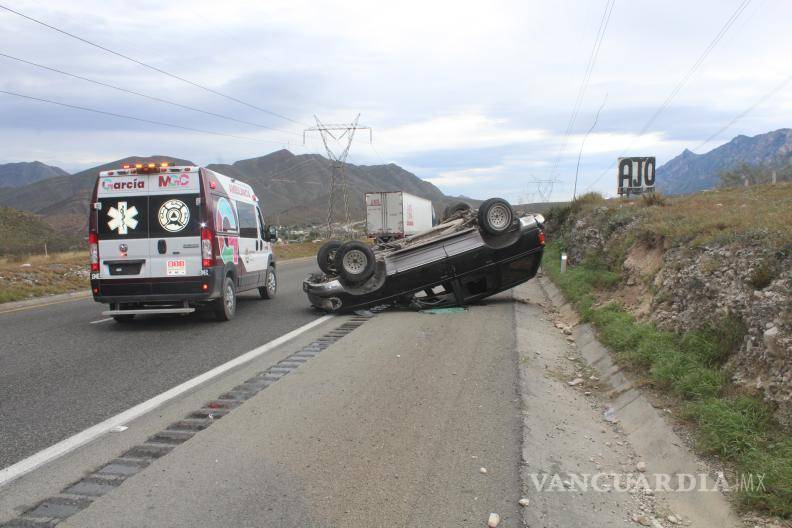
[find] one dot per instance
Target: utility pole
(337, 133)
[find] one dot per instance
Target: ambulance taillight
(93, 249)
(207, 255)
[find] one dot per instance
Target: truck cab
(172, 239)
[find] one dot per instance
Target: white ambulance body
(171, 239)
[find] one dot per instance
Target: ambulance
(172, 239)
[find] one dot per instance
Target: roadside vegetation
(23, 233)
(731, 422)
(24, 276)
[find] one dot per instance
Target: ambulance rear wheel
(225, 306)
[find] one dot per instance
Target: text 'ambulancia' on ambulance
(168, 240)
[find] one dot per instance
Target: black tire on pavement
(225, 306)
(270, 288)
(454, 208)
(355, 261)
(326, 256)
(495, 216)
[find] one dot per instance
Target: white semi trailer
(392, 215)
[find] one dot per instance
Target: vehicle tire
(126, 318)
(270, 288)
(454, 208)
(225, 306)
(495, 216)
(355, 261)
(326, 256)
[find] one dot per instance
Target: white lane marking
(101, 321)
(73, 442)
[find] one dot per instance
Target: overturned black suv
(473, 254)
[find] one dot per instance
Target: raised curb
(651, 436)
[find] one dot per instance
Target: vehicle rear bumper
(193, 290)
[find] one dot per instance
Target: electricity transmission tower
(544, 188)
(335, 136)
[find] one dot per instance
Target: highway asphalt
(61, 370)
(388, 427)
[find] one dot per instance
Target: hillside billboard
(636, 175)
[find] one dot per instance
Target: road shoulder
(593, 422)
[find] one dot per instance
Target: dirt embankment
(719, 259)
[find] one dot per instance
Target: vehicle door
(175, 225)
(122, 227)
(250, 246)
(264, 254)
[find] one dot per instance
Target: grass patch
(738, 428)
(24, 277)
(294, 251)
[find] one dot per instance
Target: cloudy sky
(473, 96)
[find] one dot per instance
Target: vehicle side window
(248, 223)
(225, 215)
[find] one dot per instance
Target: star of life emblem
(122, 218)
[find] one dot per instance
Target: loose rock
(494, 520)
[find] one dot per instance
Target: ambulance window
(174, 215)
(225, 215)
(123, 217)
(248, 224)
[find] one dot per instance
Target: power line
(139, 94)
(582, 143)
(133, 118)
(600, 36)
(682, 82)
(149, 66)
(696, 65)
(745, 112)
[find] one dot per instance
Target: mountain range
(293, 189)
(26, 172)
(691, 172)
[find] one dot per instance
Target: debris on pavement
(483, 471)
(494, 520)
(641, 466)
(119, 429)
(574, 382)
(524, 502)
(610, 415)
(449, 310)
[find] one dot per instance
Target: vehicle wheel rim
(272, 283)
(229, 299)
(354, 262)
(499, 216)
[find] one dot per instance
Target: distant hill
(292, 189)
(691, 172)
(295, 188)
(22, 232)
(24, 173)
(63, 201)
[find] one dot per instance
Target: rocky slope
(722, 260)
(691, 172)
